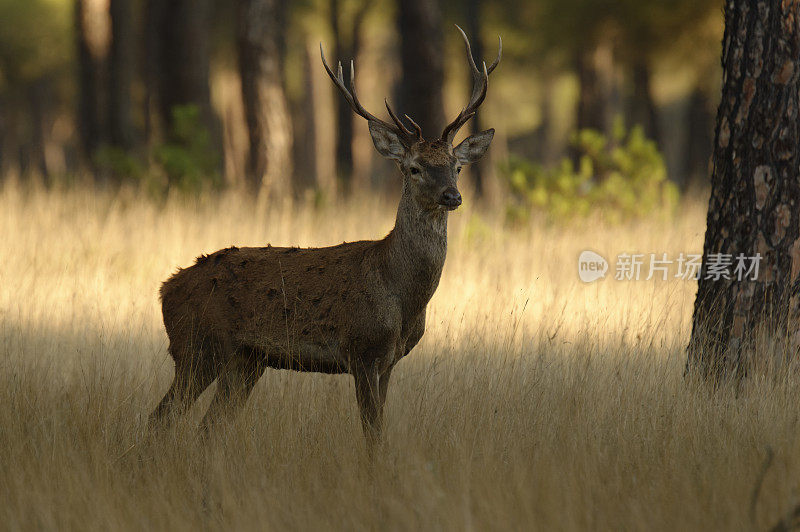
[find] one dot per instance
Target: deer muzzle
(450, 198)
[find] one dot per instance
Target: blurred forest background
(594, 100)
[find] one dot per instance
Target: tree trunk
(644, 111)
(699, 139)
(344, 116)
(269, 161)
(120, 74)
(421, 56)
(154, 14)
(37, 100)
(3, 139)
(347, 46)
(473, 9)
(184, 61)
(304, 115)
(755, 193)
(91, 27)
(595, 69)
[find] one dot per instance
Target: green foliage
(620, 177)
(188, 158)
(186, 162)
(119, 163)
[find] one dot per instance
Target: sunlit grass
(533, 399)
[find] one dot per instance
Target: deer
(356, 308)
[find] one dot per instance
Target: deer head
(430, 168)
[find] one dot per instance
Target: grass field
(533, 401)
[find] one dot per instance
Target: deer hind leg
(235, 383)
(193, 374)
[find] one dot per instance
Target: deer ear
(473, 147)
(386, 142)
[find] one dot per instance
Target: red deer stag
(355, 308)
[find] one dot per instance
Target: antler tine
(357, 104)
(416, 126)
(480, 83)
(397, 121)
(352, 98)
(337, 80)
(480, 79)
(470, 57)
(499, 55)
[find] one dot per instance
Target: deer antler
(406, 135)
(480, 82)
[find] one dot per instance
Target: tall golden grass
(533, 401)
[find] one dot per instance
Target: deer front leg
(383, 388)
(368, 396)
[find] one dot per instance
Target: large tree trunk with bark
(269, 161)
(120, 73)
(755, 195)
(421, 56)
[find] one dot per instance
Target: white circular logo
(591, 266)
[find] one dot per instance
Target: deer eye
(458, 169)
(415, 170)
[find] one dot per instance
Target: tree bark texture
(269, 160)
(755, 192)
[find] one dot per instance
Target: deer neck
(416, 250)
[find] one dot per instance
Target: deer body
(354, 308)
(309, 309)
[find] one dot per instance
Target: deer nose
(450, 198)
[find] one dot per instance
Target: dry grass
(532, 399)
